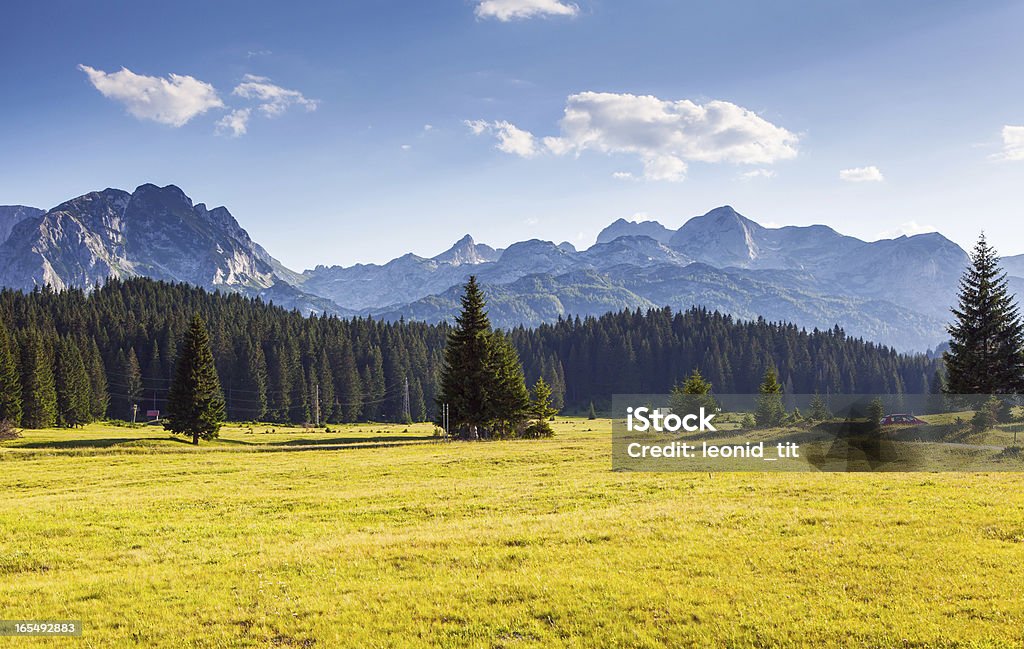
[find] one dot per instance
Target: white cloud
(666, 135)
(236, 122)
(273, 99)
(759, 173)
(428, 127)
(910, 228)
(406, 147)
(478, 126)
(506, 10)
(511, 139)
(623, 175)
(862, 175)
(533, 220)
(1013, 143)
(172, 101)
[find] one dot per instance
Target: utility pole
(316, 404)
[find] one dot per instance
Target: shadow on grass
(338, 441)
(106, 442)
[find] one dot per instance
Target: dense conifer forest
(69, 357)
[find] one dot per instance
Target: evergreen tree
(818, 409)
(465, 375)
(769, 411)
(131, 384)
(541, 410)
(876, 410)
(936, 394)
(72, 385)
(349, 390)
(10, 381)
(39, 395)
(99, 398)
(507, 398)
(986, 350)
(692, 395)
(592, 414)
(195, 404)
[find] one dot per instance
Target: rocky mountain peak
(466, 251)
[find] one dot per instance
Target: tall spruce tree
(465, 375)
(195, 403)
(72, 382)
(131, 385)
(506, 394)
(986, 348)
(99, 397)
(10, 382)
(541, 410)
(38, 393)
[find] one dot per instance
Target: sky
(347, 132)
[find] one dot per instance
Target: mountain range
(893, 291)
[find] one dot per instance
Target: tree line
(73, 356)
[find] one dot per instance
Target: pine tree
(692, 395)
(818, 409)
(99, 397)
(876, 410)
(38, 396)
(131, 384)
(769, 411)
(349, 391)
(506, 394)
(195, 404)
(464, 377)
(10, 382)
(541, 410)
(986, 350)
(72, 383)
(936, 394)
(592, 414)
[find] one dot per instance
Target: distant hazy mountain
(11, 215)
(624, 228)
(894, 291)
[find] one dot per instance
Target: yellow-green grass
(514, 543)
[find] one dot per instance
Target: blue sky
(344, 132)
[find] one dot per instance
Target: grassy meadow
(381, 535)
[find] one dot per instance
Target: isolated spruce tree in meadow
(986, 348)
(465, 375)
(818, 409)
(692, 395)
(195, 404)
(769, 411)
(541, 410)
(592, 414)
(10, 382)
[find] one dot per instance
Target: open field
(375, 535)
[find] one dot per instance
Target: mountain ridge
(894, 291)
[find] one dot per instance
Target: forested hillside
(71, 355)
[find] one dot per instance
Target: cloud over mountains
(664, 135)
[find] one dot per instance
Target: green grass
(379, 536)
